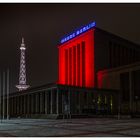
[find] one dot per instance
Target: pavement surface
(88, 127)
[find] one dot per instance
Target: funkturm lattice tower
(22, 72)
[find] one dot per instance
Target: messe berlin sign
(78, 32)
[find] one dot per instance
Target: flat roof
(65, 87)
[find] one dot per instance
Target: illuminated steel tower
(22, 74)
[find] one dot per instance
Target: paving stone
(92, 127)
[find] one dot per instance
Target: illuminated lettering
(78, 32)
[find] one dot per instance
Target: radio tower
(22, 73)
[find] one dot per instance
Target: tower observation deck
(22, 72)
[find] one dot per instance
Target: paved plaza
(88, 127)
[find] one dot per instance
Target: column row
(75, 65)
(46, 102)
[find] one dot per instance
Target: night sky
(43, 25)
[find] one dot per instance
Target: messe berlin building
(98, 75)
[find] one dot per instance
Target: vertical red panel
(78, 65)
(61, 66)
(89, 60)
(76, 77)
(87, 67)
(83, 63)
(81, 60)
(74, 65)
(68, 68)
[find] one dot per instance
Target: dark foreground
(93, 127)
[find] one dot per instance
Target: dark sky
(43, 25)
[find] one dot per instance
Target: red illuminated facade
(82, 57)
(76, 61)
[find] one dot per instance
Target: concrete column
(69, 97)
(17, 104)
(41, 103)
(69, 101)
(35, 104)
(51, 101)
(38, 103)
(72, 102)
(21, 105)
(36, 100)
(26, 104)
(45, 102)
(62, 103)
(29, 104)
(79, 102)
(24, 97)
(57, 102)
(32, 103)
(130, 91)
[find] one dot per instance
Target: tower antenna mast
(22, 72)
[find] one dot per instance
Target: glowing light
(78, 32)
